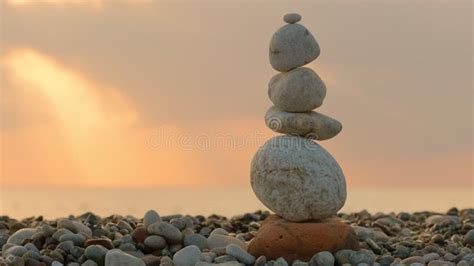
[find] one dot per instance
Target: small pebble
(292, 18)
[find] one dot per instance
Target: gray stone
(19, 236)
(280, 262)
(219, 251)
(166, 230)
(299, 263)
(66, 245)
(77, 239)
(221, 241)
(151, 217)
(299, 90)
(292, 18)
(166, 261)
(178, 223)
(7, 246)
(197, 240)
(60, 232)
(82, 228)
(31, 255)
(469, 238)
(224, 258)
(116, 257)
(15, 250)
(48, 230)
(355, 257)
(310, 125)
(297, 179)
(430, 256)
(56, 263)
(89, 263)
(440, 263)
(77, 251)
(443, 219)
(219, 231)
(208, 256)
(96, 253)
(240, 254)
(151, 260)
(364, 233)
(155, 242)
(67, 224)
(12, 260)
(31, 247)
(292, 46)
(413, 259)
(187, 256)
(324, 258)
(124, 226)
(127, 247)
(203, 263)
(261, 261)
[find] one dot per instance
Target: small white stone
(292, 46)
(311, 125)
(292, 18)
(299, 90)
(298, 179)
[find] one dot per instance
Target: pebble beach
(419, 238)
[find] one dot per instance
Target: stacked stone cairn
(291, 174)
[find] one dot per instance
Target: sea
(229, 201)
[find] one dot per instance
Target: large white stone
(292, 46)
(297, 179)
(311, 125)
(299, 90)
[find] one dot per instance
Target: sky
(162, 94)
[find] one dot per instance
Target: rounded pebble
(298, 90)
(292, 18)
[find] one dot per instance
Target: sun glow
(94, 139)
(93, 134)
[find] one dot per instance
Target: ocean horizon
(57, 202)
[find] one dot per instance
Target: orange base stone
(280, 238)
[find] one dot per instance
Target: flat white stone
(292, 46)
(299, 90)
(311, 125)
(298, 179)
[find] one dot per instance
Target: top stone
(292, 18)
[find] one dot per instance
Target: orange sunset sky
(155, 93)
